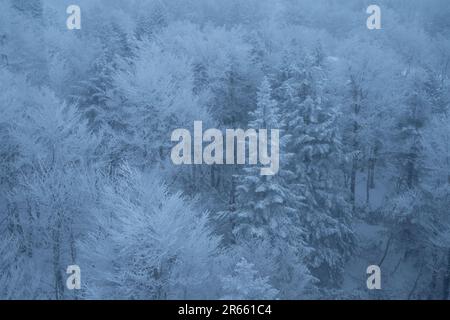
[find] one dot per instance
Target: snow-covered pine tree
(246, 284)
(436, 185)
(314, 150)
(266, 211)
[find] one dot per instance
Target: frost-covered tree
(153, 244)
(265, 199)
(21, 39)
(156, 93)
(266, 209)
(364, 149)
(49, 190)
(314, 153)
(245, 284)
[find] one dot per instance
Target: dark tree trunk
(233, 194)
(59, 286)
(213, 176)
(372, 173)
(434, 276)
(368, 185)
(353, 185)
(446, 286)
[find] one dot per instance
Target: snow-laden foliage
(156, 245)
(86, 118)
(245, 284)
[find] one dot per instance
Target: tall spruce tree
(314, 150)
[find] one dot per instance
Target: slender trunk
(73, 256)
(386, 250)
(59, 288)
(194, 176)
(213, 176)
(353, 185)
(372, 173)
(419, 274)
(368, 185)
(233, 194)
(17, 223)
(218, 180)
(446, 286)
(411, 173)
(356, 108)
(434, 276)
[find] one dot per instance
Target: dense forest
(86, 176)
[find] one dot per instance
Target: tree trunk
(232, 204)
(59, 287)
(218, 180)
(194, 177)
(213, 176)
(357, 95)
(386, 250)
(419, 274)
(372, 173)
(446, 286)
(353, 185)
(73, 256)
(410, 173)
(434, 276)
(368, 185)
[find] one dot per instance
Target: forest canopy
(86, 177)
